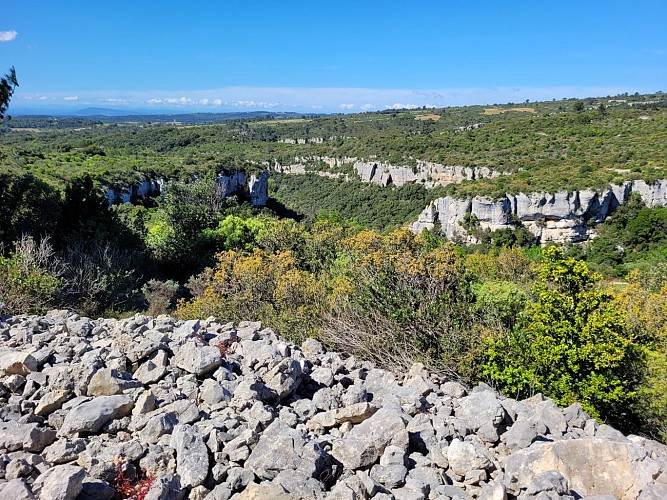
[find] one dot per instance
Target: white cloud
(253, 104)
(71, 98)
(398, 105)
(301, 99)
(8, 36)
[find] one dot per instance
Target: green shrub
(28, 278)
(572, 344)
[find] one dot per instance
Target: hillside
(546, 146)
(191, 232)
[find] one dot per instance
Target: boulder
(464, 456)
(366, 442)
(13, 362)
(62, 482)
(51, 401)
(91, 416)
(592, 466)
(191, 455)
(283, 448)
(108, 382)
(198, 360)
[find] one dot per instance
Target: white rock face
(427, 173)
(560, 217)
(256, 186)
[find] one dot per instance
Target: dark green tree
(7, 85)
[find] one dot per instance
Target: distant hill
(119, 116)
(102, 112)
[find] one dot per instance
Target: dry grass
(498, 111)
(424, 118)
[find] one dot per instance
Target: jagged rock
(51, 401)
(550, 482)
(16, 489)
(145, 403)
(548, 414)
(108, 382)
(198, 360)
(153, 369)
(165, 487)
(91, 416)
(14, 362)
(479, 409)
(284, 378)
(28, 437)
(19, 467)
(238, 478)
(355, 414)
(63, 451)
(311, 348)
(464, 456)
(561, 217)
(391, 475)
(265, 491)
(211, 392)
(94, 489)
(520, 435)
(593, 466)
(191, 455)
(283, 448)
(62, 482)
(273, 414)
(157, 426)
(366, 442)
(100, 457)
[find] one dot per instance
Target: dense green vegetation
(519, 317)
(545, 146)
(369, 204)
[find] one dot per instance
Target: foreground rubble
(207, 410)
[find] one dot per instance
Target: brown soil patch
(424, 118)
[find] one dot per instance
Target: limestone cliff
(561, 217)
(255, 186)
(427, 173)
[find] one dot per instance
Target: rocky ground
(208, 410)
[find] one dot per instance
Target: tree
(7, 85)
(572, 344)
(28, 206)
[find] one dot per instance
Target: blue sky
(326, 56)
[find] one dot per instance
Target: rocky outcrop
(561, 217)
(264, 419)
(426, 173)
(255, 186)
(144, 188)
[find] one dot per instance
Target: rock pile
(217, 411)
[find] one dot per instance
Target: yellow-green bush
(259, 286)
